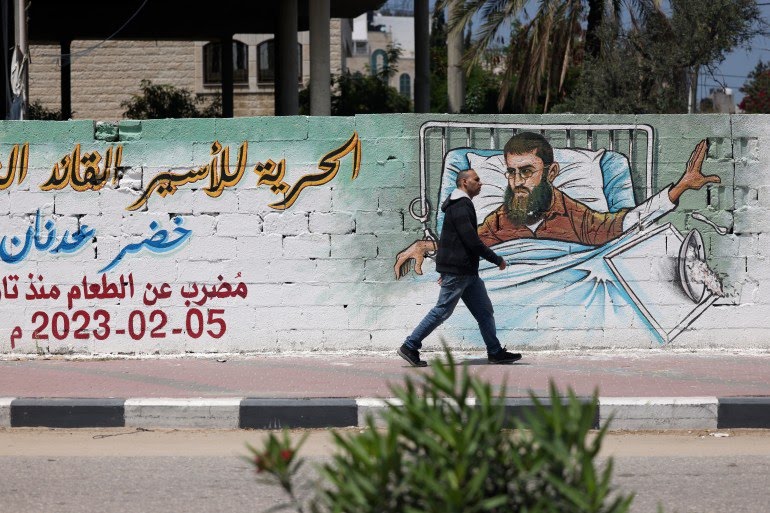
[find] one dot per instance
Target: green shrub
(446, 448)
(36, 110)
(359, 93)
(277, 463)
(161, 101)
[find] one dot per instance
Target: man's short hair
(461, 176)
(527, 142)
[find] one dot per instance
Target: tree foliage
(757, 91)
(578, 50)
(439, 63)
(357, 93)
(644, 67)
(37, 110)
(697, 33)
(364, 93)
(621, 81)
(541, 50)
(160, 101)
(482, 85)
(482, 92)
(439, 452)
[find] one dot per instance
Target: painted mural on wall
(579, 225)
(265, 234)
(71, 284)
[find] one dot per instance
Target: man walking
(458, 262)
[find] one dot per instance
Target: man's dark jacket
(460, 247)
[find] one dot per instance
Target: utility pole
(455, 73)
(320, 75)
(421, 56)
(6, 43)
(20, 63)
(286, 62)
(692, 97)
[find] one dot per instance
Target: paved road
(163, 471)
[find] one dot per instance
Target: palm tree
(545, 45)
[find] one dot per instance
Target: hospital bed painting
(651, 276)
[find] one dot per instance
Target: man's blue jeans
(469, 288)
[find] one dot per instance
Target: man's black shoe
(503, 357)
(412, 356)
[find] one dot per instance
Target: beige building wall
(380, 41)
(105, 76)
(340, 30)
(376, 40)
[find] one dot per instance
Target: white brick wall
(332, 222)
(307, 245)
(286, 223)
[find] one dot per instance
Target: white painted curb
(214, 413)
(642, 413)
(618, 413)
(5, 411)
(375, 407)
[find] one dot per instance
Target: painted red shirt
(566, 220)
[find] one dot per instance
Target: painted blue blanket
(551, 287)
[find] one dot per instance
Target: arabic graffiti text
(15, 252)
(88, 170)
(81, 324)
(84, 323)
(157, 243)
(18, 163)
(270, 174)
(42, 237)
(95, 175)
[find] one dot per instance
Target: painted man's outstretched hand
(413, 254)
(693, 177)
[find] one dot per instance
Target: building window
(405, 85)
(361, 48)
(379, 61)
(266, 61)
(212, 63)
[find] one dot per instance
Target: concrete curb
(623, 413)
(645, 413)
(744, 412)
(191, 413)
(298, 413)
(67, 412)
(5, 411)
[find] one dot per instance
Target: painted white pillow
(491, 171)
(580, 178)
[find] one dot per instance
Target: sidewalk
(641, 389)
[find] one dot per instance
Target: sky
(736, 66)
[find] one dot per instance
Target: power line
(731, 76)
(713, 80)
(714, 84)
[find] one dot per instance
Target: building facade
(105, 75)
(372, 33)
